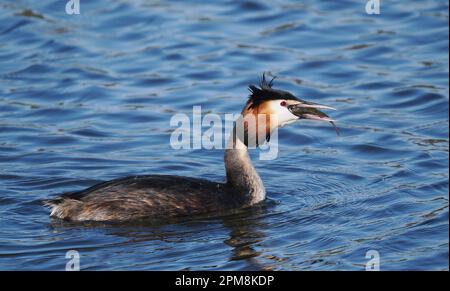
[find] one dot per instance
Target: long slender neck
(241, 174)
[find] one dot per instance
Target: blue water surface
(89, 97)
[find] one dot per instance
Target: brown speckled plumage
(145, 197)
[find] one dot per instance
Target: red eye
(283, 103)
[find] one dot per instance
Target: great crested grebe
(163, 196)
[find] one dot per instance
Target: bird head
(277, 108)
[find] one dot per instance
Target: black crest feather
(264, 84)
(265, 92)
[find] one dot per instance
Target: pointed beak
(309, 110)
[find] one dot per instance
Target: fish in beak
(309, 110)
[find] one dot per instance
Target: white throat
(241, 174)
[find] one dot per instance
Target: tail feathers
(62, 208)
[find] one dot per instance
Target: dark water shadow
(245, 228)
